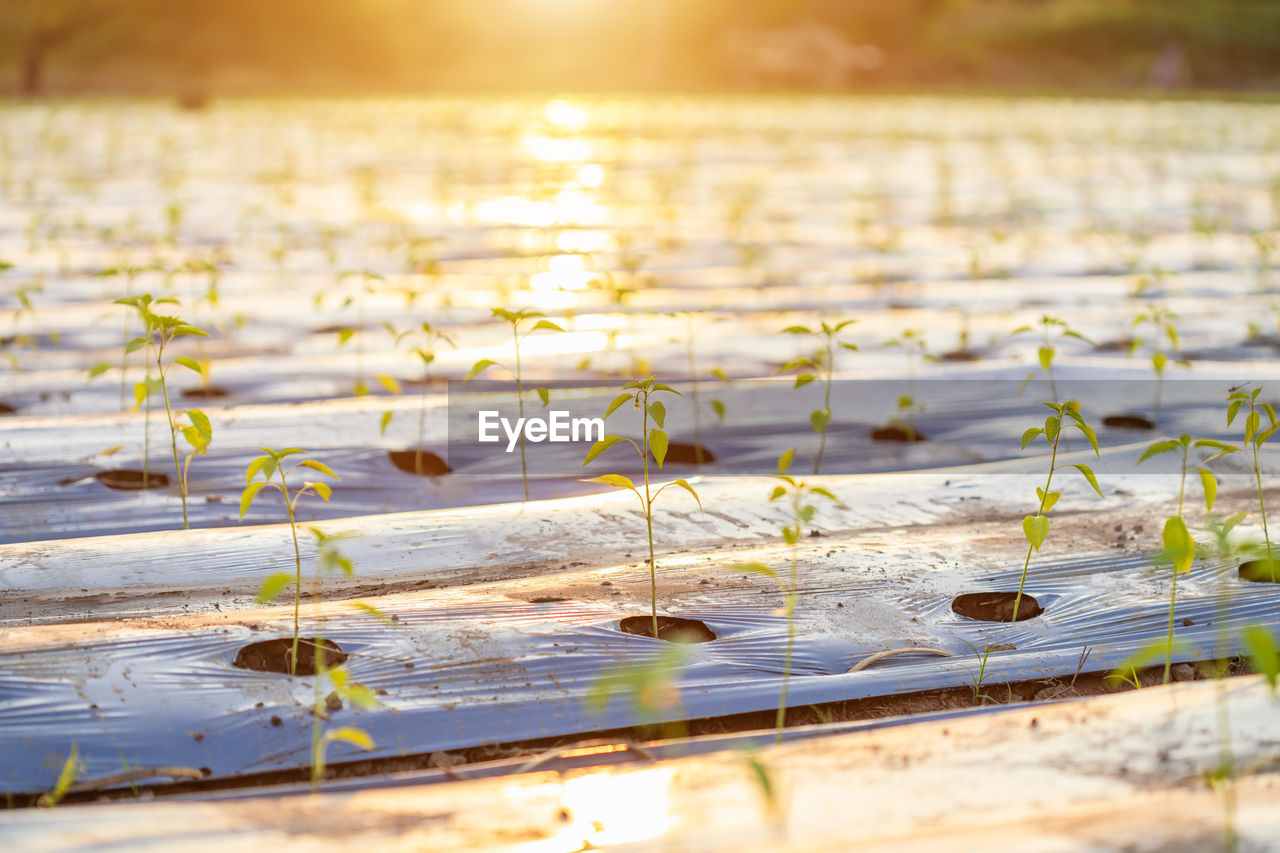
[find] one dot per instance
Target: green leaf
(318, 466)
(351, 735)
(361, 696)
(658, 412)
(1045, 354)
(616, 480)
(544, 395)
(384, 422)
(390, 383)
(201, 422)
(345, 335)
(778, 491)
(322, 489)
(246, 497)
(717, 406)
(658, 445)
(140, 392)
(265, 464)
(1089, 434)
(601, 446)
(790, 534)
(797, 330)
(371, 610)
(658, 386)
(273, 585)
(684, 484)
(1157, 448)
(1209, 483)
(819, 419)
(479, 366)
(618, 401)
(546, 324)
(803, 379)
(1260, 645)
(1052, 426)
(755, 569)
(1030, 436)
(193, 437)
(785, 460)
(1179, 547)
(135, 345)
(1088, 475)
(826, 493)
(1036, 529)
(188, 362)
(99, 369)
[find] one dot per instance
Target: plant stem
(1262, 506)
(422, 424)
(1173, 592)
(826, 407)
(781, 719)
(317, 707)
(297, 559)
(1026, 564)
(693, 393)
(173, 439)
(648, 513)
(524, 470)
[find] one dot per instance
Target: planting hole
(896, 432)
(213, 392)
(995, 606)
(1266, 570)
(274, 655)
(682, 453)
(6, 409)
(961, 355)
(1127, 422)
(672, 628)
(426, 464)
(129, 480)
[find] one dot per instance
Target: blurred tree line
(426, 45)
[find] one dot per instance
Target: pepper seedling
(653, 444)
(514, 319)
(1036, 527)
(266, 466)
(822, 362)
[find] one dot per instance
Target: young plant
(267, 466)
(1163, 327)
(159, 331)
(514, 319)
(1052, 330)
(717, 405)
(653, 444)
(426, 337)
(979, 678)
(649, 687)
(71, 770)
(1254, 437)
(1035, 528)
(799, 495)
(130, 273)
(823, 362)
(914, 345)
(368, 280)
(1179, 547)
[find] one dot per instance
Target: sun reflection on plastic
(605, 808)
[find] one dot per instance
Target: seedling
(649, 687)
(717, 405)
(514, 319)
(367, 285)
(799, 495)
(979, 678)
(159, 331)
(822, 362)
(130, 274)
(267, 466)
(71, 770)
(1052, 330)
(1260, 645)
(653, 443)
(1254, 437)
(1036, 527)
(1179, 547)
(914, 345)
(427, 337)
(1163, 327)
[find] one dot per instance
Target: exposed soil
(961, 355)
(995, 606)
(213, 392)
(897, 432)
(426, 464)
(1261, 571)
(129, 480)
(684, 453)
(6, 409)
(276, 655)
(672, 628)
(1127, 422)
